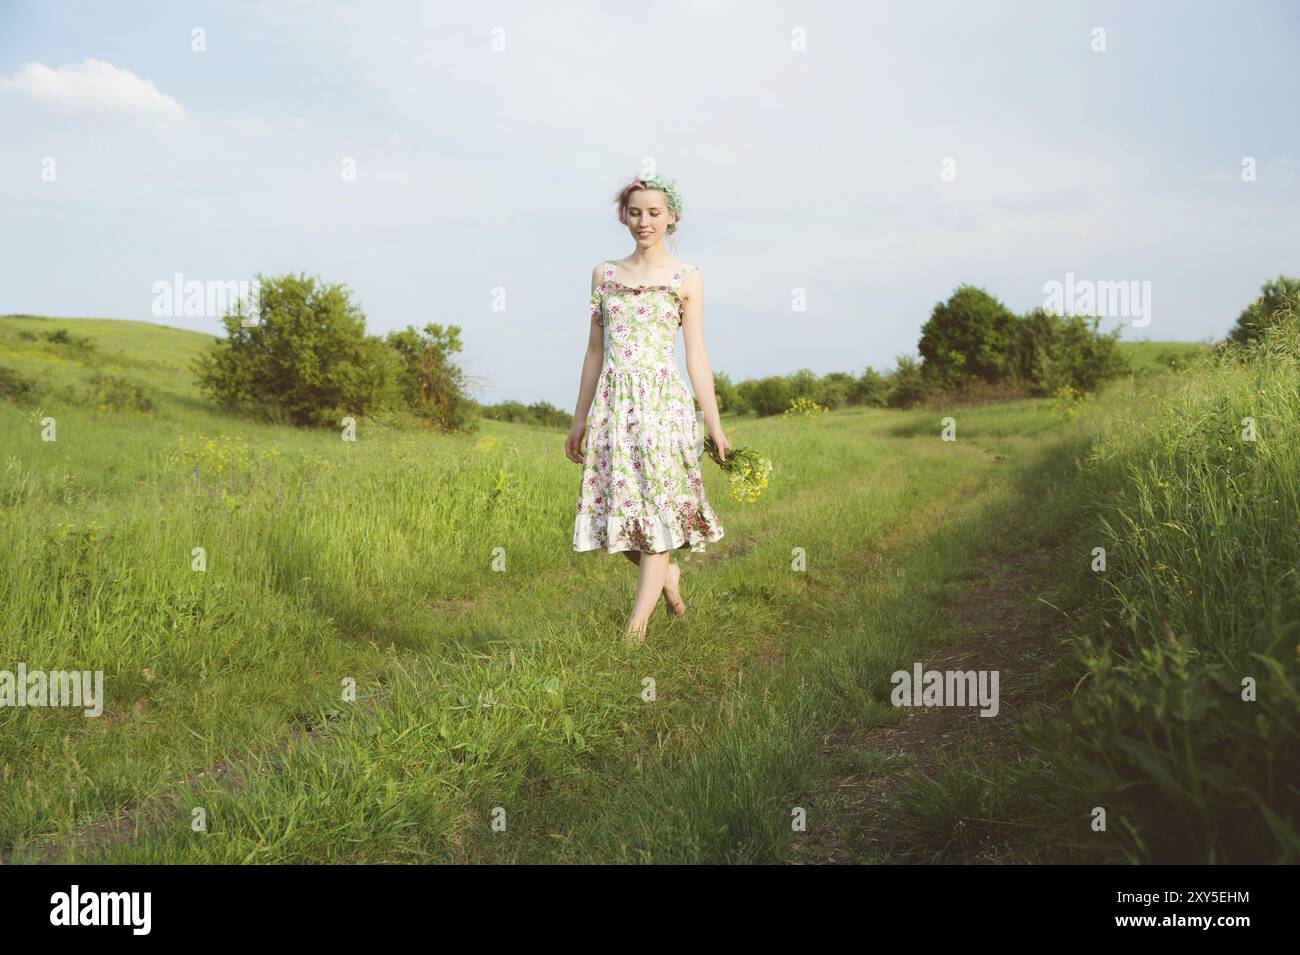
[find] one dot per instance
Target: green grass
(1145, 356)
(437, 573)
(155, 356)
(1201, 595)
(1184, 729)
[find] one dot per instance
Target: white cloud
(94, 86)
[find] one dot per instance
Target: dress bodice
(640, 321)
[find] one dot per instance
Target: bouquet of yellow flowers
(747, 469)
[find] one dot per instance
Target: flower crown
(667, 186)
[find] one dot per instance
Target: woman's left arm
(697, 356)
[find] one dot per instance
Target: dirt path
(1017, 635)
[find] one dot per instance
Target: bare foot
(672, 595)
(635, 634)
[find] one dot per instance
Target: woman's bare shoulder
(693, 282)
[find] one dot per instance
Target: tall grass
(1197, 611)
(1176, 710)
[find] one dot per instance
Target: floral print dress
(641, 483)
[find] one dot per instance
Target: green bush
(540, 413)
(767, 396)
(1174, 361)
(802, 384)
(79, 346)
(17, 387)
(110, 393)
(871, 389)
(1054, 352)
(61, 336)
(972, 335)
(729, 400)
(1275, 300)
(973, 338)
(907, 384)
(834, 389)
(435, 389)
(305, 360)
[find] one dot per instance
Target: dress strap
(680, 277)
(610, 269)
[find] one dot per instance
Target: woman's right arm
(590, 375)
(592, 360)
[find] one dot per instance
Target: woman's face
(648, 216)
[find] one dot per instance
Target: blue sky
(817, 169)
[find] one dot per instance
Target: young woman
(642, 493)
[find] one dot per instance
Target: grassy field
(497, 714)
(1147, 355)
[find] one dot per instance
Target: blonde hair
(667, 186)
